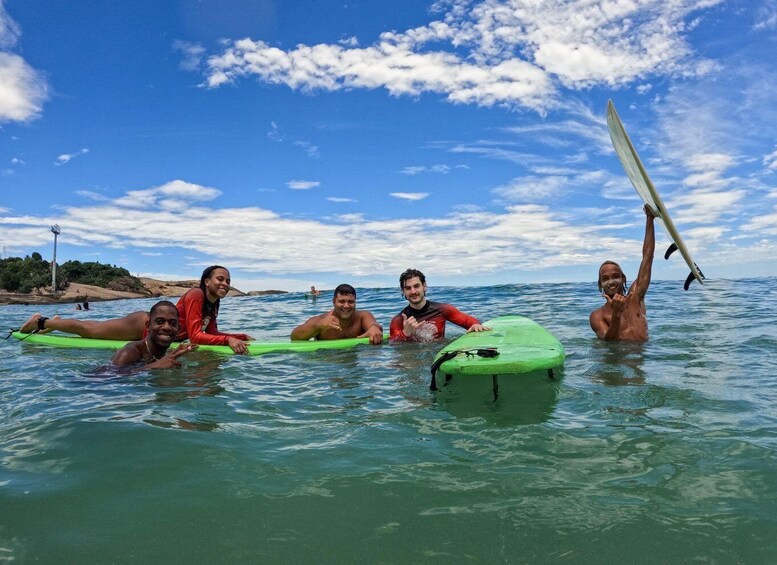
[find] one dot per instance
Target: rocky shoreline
(78, 293)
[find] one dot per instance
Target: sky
(314, 142)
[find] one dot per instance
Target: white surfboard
(644, 187)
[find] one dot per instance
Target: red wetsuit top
(437, 313)
(193, 326)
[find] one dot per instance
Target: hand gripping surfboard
(644, 187)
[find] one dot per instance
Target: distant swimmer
(624, 316)
(152, 350)
(313, 291)
(422, 319)
(343, 321)
(197, 309)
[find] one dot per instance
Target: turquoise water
(636, 453)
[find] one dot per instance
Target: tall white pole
(55, 230)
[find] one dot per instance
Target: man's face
(163, 326)
(611, 279)
(344, 305)
(414, 291)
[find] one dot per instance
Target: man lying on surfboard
(151, 351)
(342, 321)
(623, 317)
(422, 319)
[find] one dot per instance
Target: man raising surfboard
(624, 316)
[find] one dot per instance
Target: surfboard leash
(448, 355)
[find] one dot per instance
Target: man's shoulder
(130, 353)
(362, 314)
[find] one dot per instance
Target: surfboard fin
(691, 277)
(672, 248)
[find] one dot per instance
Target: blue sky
(319, 142)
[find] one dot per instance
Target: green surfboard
(54, 339)
(514, 345)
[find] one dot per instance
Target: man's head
(413, 285)
(409, 274)
(611, 281)
(163, 323)
(344, 301)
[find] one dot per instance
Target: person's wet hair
(345, 289)
(409, 274)
(623, 275)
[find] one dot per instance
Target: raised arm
(648, 250)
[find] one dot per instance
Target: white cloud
(410, 195)
(339, 199)
(67, 157)
(770, 160)
(9, 29)
(766, 16)
(312, 150)
(22, 89)
(174, 195)
(91, 195)
(489, 52)
(529, 188)
(441, 169)
(192, 54)
(526, 237)
(302, 184)
(764, 224)
(274, 134)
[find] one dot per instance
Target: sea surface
(664, 452)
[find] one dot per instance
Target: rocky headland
(78, 293)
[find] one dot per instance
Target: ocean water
(664, 452)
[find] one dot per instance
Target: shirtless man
(422, 319)
(623, 316)
(162, 329)
(344, 320)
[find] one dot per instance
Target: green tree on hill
(32, 272)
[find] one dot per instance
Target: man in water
(151, 351)
(624, 316)
(422, 319)
(314, 291)
(343, 321)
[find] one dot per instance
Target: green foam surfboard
(514, 345)
(54, 339)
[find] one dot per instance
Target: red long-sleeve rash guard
(437, 313)
(191, 322)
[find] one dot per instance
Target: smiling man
(624, 315)
(151, 351)
(422, 319)
(343, 321)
